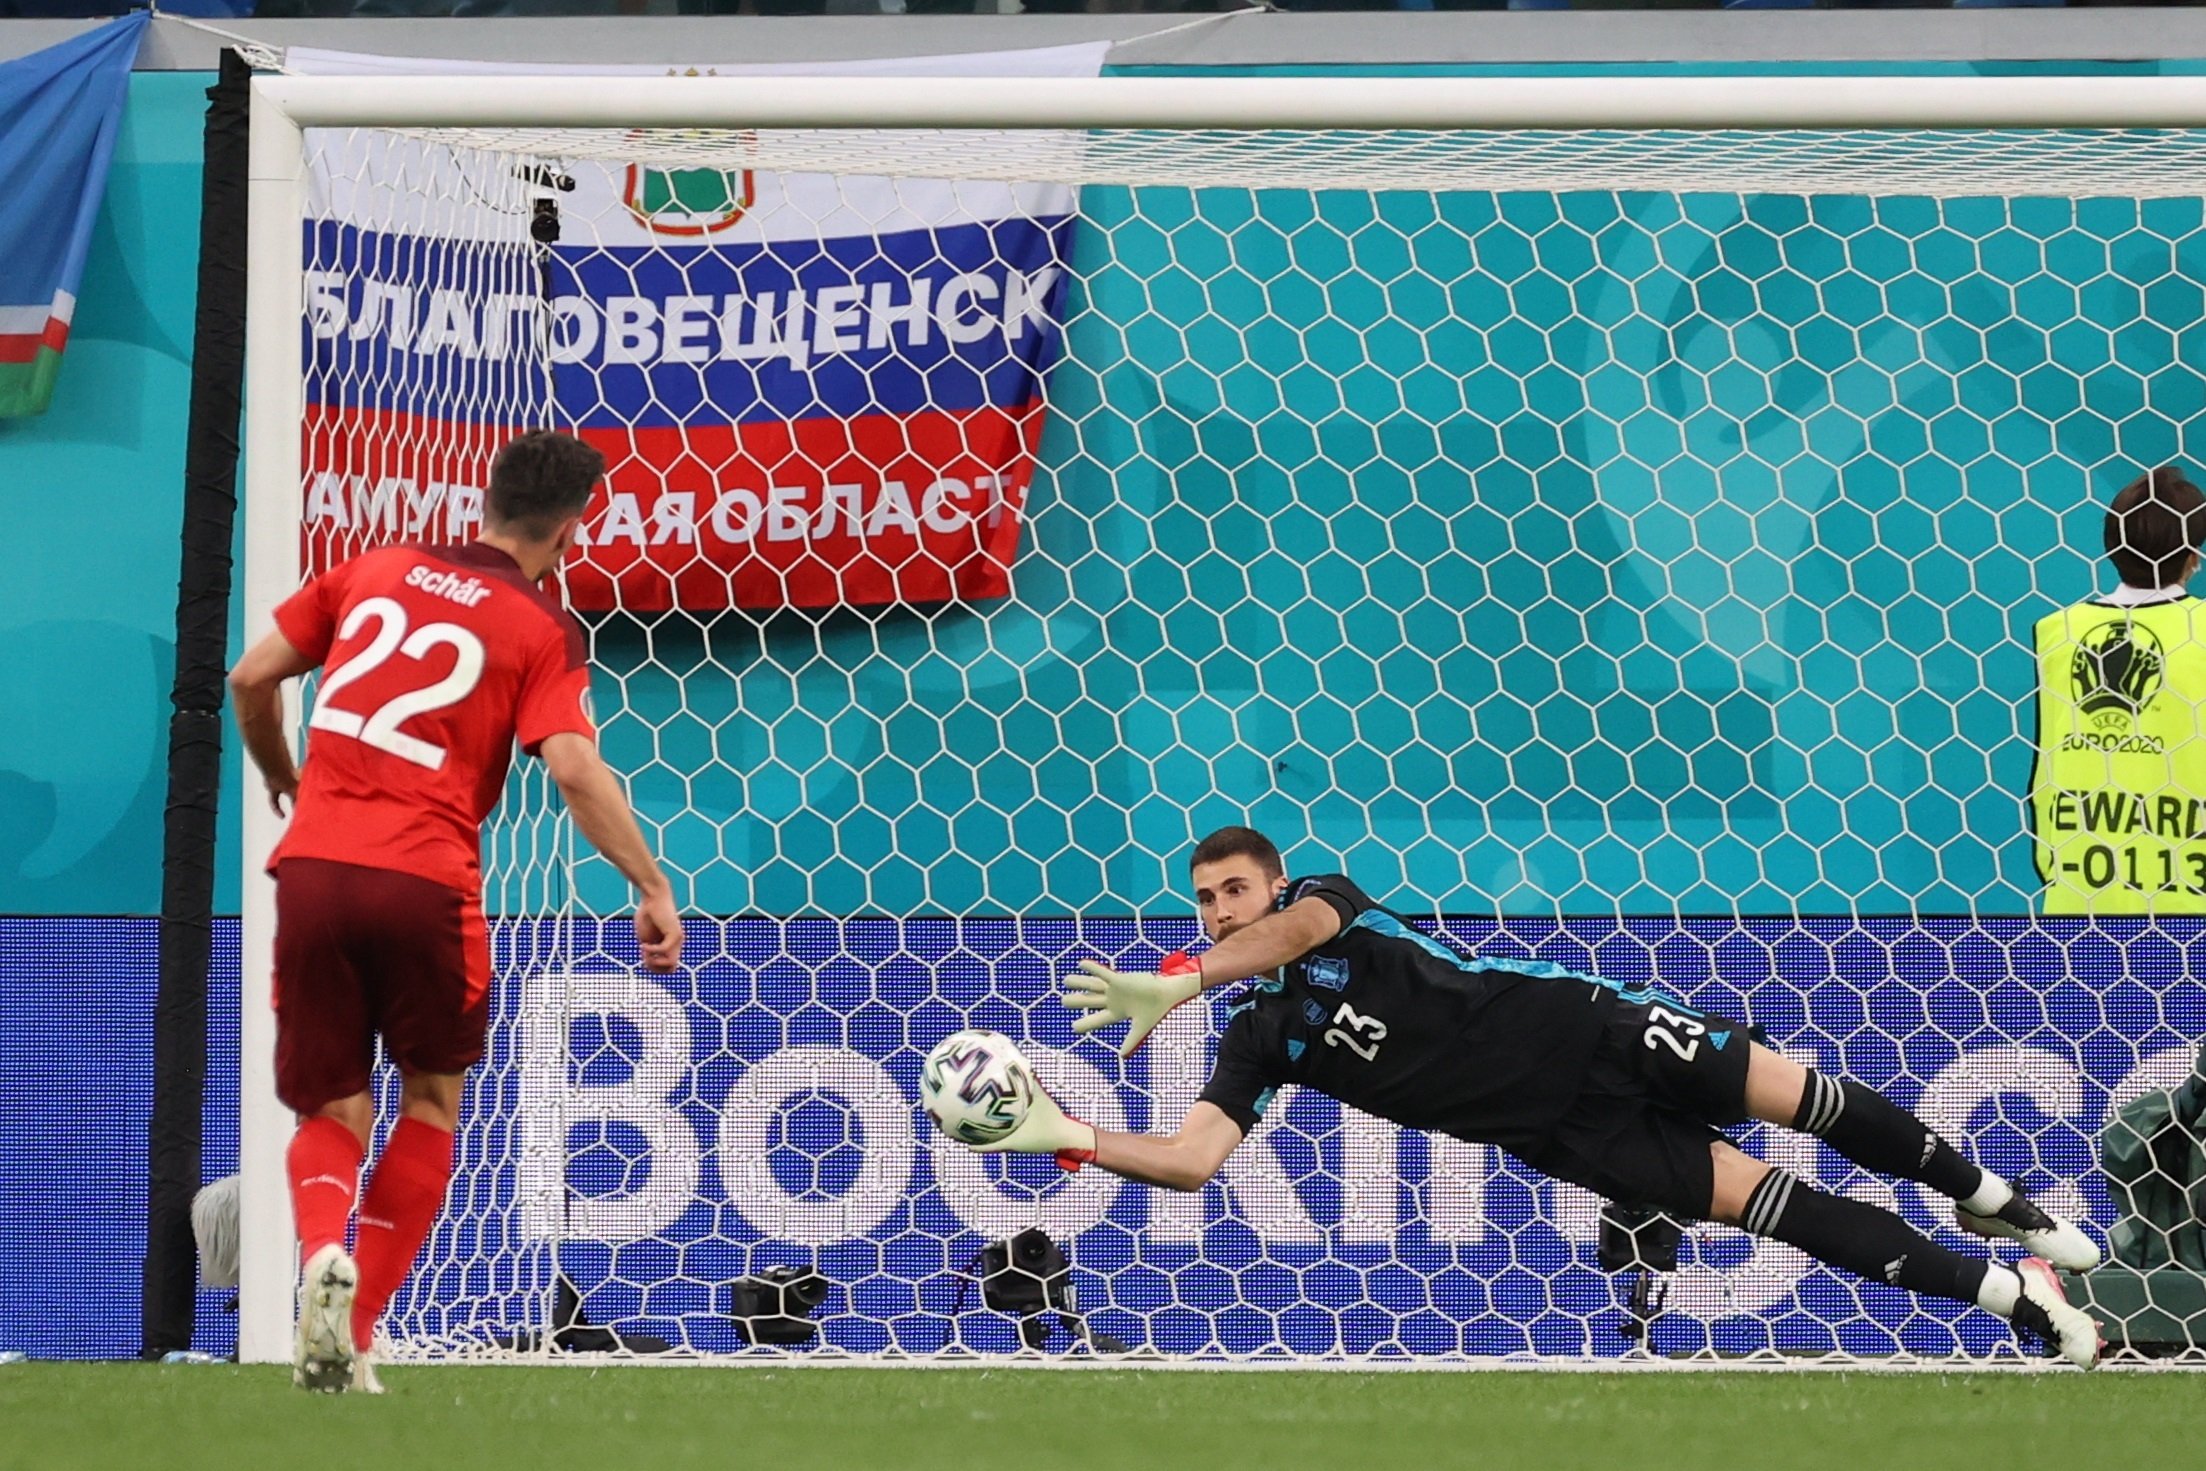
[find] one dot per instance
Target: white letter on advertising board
(574, 330)
(911, 315)
(785, 513)
(892, 508)
(688, 324)
(959, 293)
(877, 1122)
(724, 524)
(835, 319)
(553, 1110)
(631, 334)
(840, 503)
(674, 519)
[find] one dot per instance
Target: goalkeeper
(1616, 1088)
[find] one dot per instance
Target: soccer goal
(1604, 515)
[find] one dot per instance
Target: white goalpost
(1602, 514)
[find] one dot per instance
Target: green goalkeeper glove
(1047, 1129)
(1137, 996)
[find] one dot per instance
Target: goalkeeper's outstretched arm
(1182, 1161)
(1270, 942)
(1142, 998)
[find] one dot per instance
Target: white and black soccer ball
(976, 1086)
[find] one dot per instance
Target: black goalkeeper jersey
(1392, 1022)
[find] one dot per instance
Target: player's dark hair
(2153, 527)
(538, 481)
(1238, 842)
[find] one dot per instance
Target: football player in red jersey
(436, 660)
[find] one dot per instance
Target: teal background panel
(1630, 553)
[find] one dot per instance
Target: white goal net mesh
(1620, 548)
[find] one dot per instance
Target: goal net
(1617, 546)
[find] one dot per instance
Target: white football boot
(2041, 1234)
(322, 1358)
(2044, 1309)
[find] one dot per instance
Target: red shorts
(362, 952)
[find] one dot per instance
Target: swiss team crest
(687, 202)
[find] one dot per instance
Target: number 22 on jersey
(380, 727)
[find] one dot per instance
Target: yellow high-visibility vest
(2118, 798)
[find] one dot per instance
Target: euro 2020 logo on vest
(2116, 671)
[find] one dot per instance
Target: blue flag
(60, 110)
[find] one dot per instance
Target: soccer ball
(976, 1087)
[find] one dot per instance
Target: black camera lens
(774, 1306)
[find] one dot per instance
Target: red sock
(324, 1162)
(404, 1195)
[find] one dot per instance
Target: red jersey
(436, 660)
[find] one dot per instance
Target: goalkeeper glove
(1047, 1129)
(1139, 997)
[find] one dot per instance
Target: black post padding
(195, 727)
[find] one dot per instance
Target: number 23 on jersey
(1358, 1033)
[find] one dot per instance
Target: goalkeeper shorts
(367, 952)
(1662, 1079)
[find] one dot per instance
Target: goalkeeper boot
(321, 1360)
(2041, 1234)
(2044, 1310)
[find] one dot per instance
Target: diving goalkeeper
(1618, 1089)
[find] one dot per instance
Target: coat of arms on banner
(687, 202)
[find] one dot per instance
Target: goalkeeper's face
(1233, 893)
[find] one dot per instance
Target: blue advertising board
(656, 1139)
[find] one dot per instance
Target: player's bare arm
(1182, 1161)
(1269, 943)
(600, 807)
(256, 700)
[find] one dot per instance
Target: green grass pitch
(128, 1417)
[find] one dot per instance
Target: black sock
(1879, 1135)
(1860, 1238)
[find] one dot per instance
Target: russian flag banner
(60, 110)
(811, 391)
